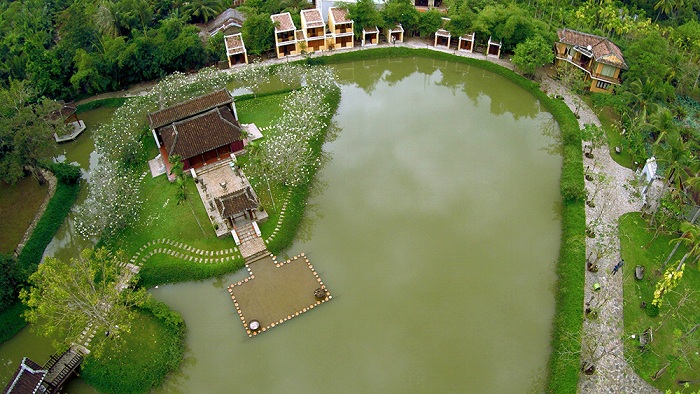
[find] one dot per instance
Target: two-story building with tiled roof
(201, 131)
(314, 30)
(341, 28)
(286, 37)
(596, 56)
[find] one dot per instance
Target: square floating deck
(276, 292)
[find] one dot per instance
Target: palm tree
(203, 10)
(642, 95)
(662, 123)
(681, 163)
(691, 238)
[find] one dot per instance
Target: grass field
(672, 345)
(18, 205)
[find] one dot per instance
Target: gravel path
(602, 338)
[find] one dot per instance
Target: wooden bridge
(49, 378)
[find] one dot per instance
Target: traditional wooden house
(286, 42)
(394, 34)
(314, 30)
(466, 43)
(370, 36)
(341, 28)
(235, 50)
(201, 131)
(599, 59)
(493, 48)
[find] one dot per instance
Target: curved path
(602, 338)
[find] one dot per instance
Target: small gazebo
(494, 48)
(370, 36)
(235, 50)
(466, 43)
(236, 205)
(442, 38)
(394, 34)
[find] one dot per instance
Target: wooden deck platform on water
(78, 128)
(276, 292)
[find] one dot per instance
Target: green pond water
(436, 230)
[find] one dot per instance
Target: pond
(437, 232)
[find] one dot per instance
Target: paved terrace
(215, 181)
(276, 292)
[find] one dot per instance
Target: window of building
(602, 85)
(608, 71)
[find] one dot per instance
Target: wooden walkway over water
(49, 378)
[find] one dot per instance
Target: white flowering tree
(253, 76)
(113, 199)
(286, 157)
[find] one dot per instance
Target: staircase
(252, 247)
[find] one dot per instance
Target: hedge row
(568, 319)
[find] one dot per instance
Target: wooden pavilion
(238, 204)
(201, 131)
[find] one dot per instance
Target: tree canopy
(95, 288)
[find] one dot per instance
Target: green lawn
(674, 319)
(610, 121)
(152, 349)
(263, 111)
(18, 205)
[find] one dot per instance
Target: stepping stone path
(182, 251)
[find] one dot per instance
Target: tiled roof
(313, 18)
(604, 51)
(396, 28)
(468, 37)
(234, 41)
(340, 15)
(202, 133)
(27, 379)
(442, 32)
(283, 22)
(371, 29)
(189, 108)
(236, 202)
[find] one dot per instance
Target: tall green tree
(203, 10)
(364, 14)
(258, 33)
(429, 22)
(533, 53)
(96, 288)
(400, 11)
(26, 131)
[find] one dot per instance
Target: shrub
(66, 173)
